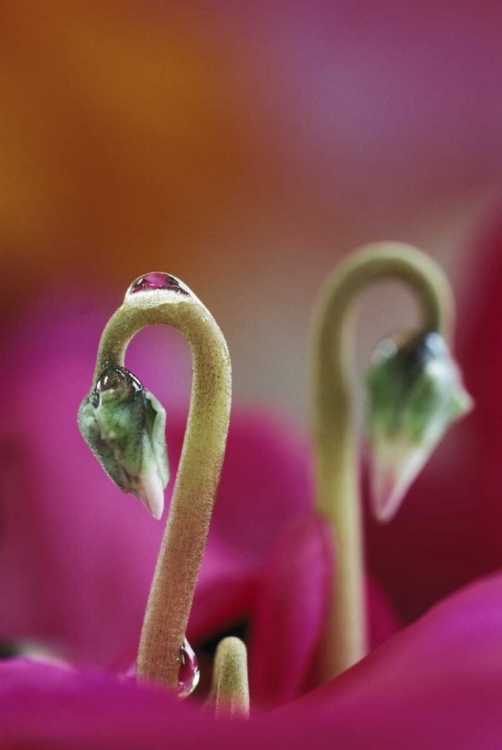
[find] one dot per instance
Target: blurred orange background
(244, 148)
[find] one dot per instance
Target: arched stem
(187, 526)
(335, 446)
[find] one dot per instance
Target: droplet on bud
(189, 673)
(155, 281)
(416, 392)
(124, 426)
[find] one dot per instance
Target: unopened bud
(416, 392)
(124, 426)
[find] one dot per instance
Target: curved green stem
(335, 446)
(187, 526)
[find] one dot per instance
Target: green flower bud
(416, 392)
(124, 426)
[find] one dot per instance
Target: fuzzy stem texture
(230, 691)
(187, 526)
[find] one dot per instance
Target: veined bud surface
(124, 426)
(415, 392)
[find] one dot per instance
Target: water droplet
(189, 674)
(413, 349)
(155, 281)
(118, 378)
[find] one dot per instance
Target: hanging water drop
(189, 673)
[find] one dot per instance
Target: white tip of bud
(395, 465)
(151, 493)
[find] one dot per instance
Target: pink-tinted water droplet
(118, 378)
(189, 674)
(155, 281)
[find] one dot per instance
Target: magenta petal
(22, 672)
(437, 684)
(383, 622)
(45, 706)
(292, 597)
(290, 610)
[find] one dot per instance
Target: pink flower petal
(291, 603)
(45, 706)
(383, 621)
(436, 684)
(290, 611)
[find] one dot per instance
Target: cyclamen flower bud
(416, 392)
(124, 426)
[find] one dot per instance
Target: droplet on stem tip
(157, 280)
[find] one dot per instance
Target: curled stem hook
(335, 447)
(187, 526)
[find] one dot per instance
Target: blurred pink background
(245, 148)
